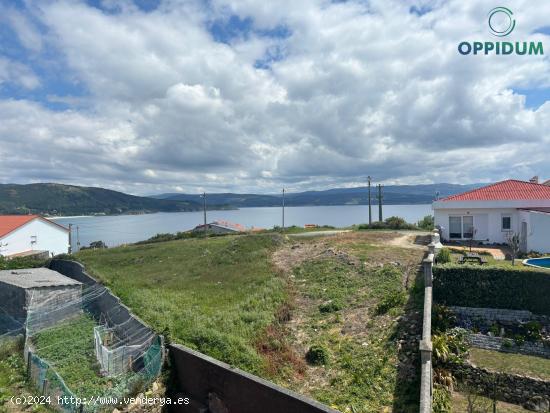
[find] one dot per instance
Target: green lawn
(217, 295)
(511, 363)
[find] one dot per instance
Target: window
(468, 227)
(506, 223)
(455, 227)
(461, 227)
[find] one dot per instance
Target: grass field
(511, 363)
(216, 295)
(245, 301)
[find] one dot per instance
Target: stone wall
(507, 345)
(485, 317)
(512, 388)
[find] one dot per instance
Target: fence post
(29, 356)
(425, 345)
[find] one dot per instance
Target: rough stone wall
(509, 388)
(488, 316)
(499, 343)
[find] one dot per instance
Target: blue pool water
(539, 262)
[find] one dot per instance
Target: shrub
(426, 223)
(391, 300)
(317, 355)
(492, 287)
(21, 262)
(331, 306)
(443, 256)
(450, 346)
(533, 331)
(442, 402)
(389, 223)
(442, 318)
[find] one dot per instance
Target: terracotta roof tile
(504, 191)
(9, 223)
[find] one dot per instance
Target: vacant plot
(357, 303)
(217, 295)
(335, 318)
(511, 363)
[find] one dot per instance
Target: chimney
(534, 180)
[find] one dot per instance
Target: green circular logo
(501, 21)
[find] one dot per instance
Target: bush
(450, 346)
(426, 223)
(391, 300)
(21, 262)
(442, 402)
(443, 256)
(331, 306)
(317, 355)
(492, 287)
(389, 223)
(442, 318)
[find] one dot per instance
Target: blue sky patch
(420, 10)
(534, 98)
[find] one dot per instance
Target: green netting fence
(50, 384)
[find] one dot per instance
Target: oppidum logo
(501, 23)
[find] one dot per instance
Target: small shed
(38, 298)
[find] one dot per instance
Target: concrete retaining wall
(216, 387)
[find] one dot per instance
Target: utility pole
(380, 202)
(283, 210)
(70, 238)
(77, 238)
(204, 211)
(370, 206)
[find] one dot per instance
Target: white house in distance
(25, 235)
(489, 214)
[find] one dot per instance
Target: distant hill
(392, 195)
(57, 199)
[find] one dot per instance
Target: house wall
(49, 237)
(538, 232)
(487, 222)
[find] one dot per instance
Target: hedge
(492, 287)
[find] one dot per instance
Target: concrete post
(425, 345)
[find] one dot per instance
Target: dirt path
(414, 240)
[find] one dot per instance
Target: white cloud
(362, 88)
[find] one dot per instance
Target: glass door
(455, 227)
(468, 227)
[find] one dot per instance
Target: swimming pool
(538, 262)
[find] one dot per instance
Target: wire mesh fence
(82, 327)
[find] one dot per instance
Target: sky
(153, 96)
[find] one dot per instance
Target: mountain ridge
(391, 194)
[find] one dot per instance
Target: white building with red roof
(491, 213)
(24, 235)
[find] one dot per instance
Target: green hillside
(56, 199)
